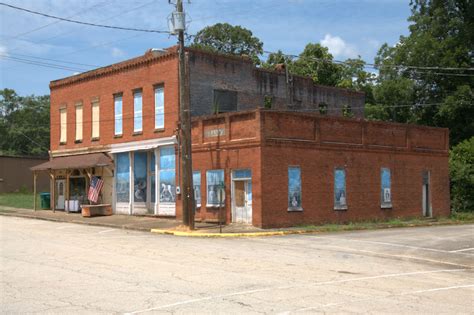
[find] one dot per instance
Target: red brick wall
(161, 71)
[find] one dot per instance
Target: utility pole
(185, 127)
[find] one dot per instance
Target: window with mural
(122, 181)
(197, 187)
(215, 187)
(386, 184)
(139, 175)
(152, 178)
(294, 188)
(340, 201)
(167, 175)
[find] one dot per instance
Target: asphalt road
(49, 267)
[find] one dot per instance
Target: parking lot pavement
(62, 268)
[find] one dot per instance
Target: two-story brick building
(273, 165)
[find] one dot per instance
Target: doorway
(242, 196)
(60, 192)
(426, 195)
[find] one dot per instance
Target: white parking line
(380, 298)
(107, 231)
(462, 250)
(399, 245)
(212, 297)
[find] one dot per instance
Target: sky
(349, 28)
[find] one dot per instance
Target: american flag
(94, 189)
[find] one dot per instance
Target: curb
(229, 235)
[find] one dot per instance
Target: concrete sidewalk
(139, 223)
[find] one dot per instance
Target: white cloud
(338, 47)
(3, 50)
(117, 52)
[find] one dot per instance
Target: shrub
(461, 165)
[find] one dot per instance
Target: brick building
(274, 166)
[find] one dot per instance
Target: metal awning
(75, 161)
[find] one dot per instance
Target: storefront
(145, 178)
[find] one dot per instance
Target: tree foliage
(461, 162)
(440, 36)
(228, 39)
(24, 124)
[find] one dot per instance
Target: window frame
(78, 126)
(95, 102)
(290, 191)
(385, 204)
(62, 109)
(216, 205)
(336, 205)
(159, 87)
(198, 205)
(116, 97)
(135, 116)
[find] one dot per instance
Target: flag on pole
(94, 189)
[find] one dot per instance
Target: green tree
(274, 59)
(228, 39)
(24, 124)
(461, 161)
(440, 37)
(316, 62)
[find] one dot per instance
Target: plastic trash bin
(45, 200)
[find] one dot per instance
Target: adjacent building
(269, 149)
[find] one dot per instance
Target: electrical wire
(85, 23)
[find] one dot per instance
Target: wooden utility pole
(185, 139)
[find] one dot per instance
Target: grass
(454, 218)
(18, 200)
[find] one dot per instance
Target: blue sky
(348, 27)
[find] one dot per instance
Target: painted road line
(220, 296)
(462, 250)
(378, 298)
(107, 231)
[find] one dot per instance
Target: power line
(42, 64)
(56, 22)
(85, 23)
(55, 60)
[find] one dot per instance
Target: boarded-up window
(63, 123)
(225, 101)
(95, 120)
(79, 122)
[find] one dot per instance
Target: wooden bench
(95, 210)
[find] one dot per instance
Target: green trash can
(45, 200)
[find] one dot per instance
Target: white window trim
(61, 133)
(77, 138)
(118, 116)
(136, 112)
(95, 120)
(208, 205)
(162, 107)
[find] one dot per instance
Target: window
(225, 101)
(139, 176)
(347, 111)
(386, 183)
(340, 202)
(167, 175)
(215, 187)
(159, 107)
(294, 188)
(63, 123)
(197, 187)
(79, 122)
(152, 177)
(122, 181)
(137, 111)
(95, 119)
(118, 115)
(323, 108)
